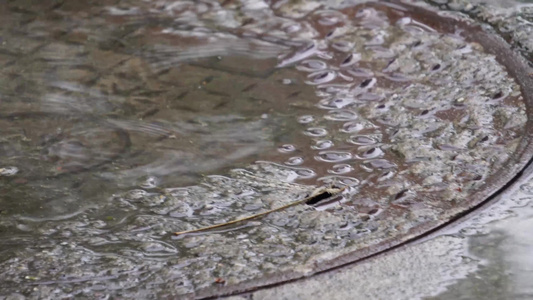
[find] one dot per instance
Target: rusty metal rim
(518, 68)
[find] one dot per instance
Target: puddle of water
(85, 112)
(116, 118)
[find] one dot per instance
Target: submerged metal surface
(486, 255)
(412, 110)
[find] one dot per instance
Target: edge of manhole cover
(518, 68)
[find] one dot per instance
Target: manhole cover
(425, 119)
(421, 115)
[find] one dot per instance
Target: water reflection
(114, 99)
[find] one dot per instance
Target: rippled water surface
(124, 121)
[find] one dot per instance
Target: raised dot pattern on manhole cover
(413, 117)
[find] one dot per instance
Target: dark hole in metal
(373, 211)
(322, 76)
(366, 82)
(348, 59)
(322, 196)
(371, 151)
(400, 195)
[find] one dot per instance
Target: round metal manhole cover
(422, 116)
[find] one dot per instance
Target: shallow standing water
(125, 121)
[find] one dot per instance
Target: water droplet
(341, 115)
(386, 175)
(397, 77)
(343, 46)
(341, 169)
(345, 77)
(366, 168)
(316, 131)
(380, 164)
(322, 145)
(333, 156)
(303, 53)
(305, 119)
(334, 103)
(360, 72)
(294, 161)
(324, 55)
(368, 83)
(363, 140)
(305, 173)
(339, 180)
(321, 77)
(369, 97)
(410, 25)
(370, 153)
(312, 65)
(352, 127)
(286, 148)
(350, 60)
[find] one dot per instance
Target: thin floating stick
(316, 196)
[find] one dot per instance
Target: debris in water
(317, 195)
